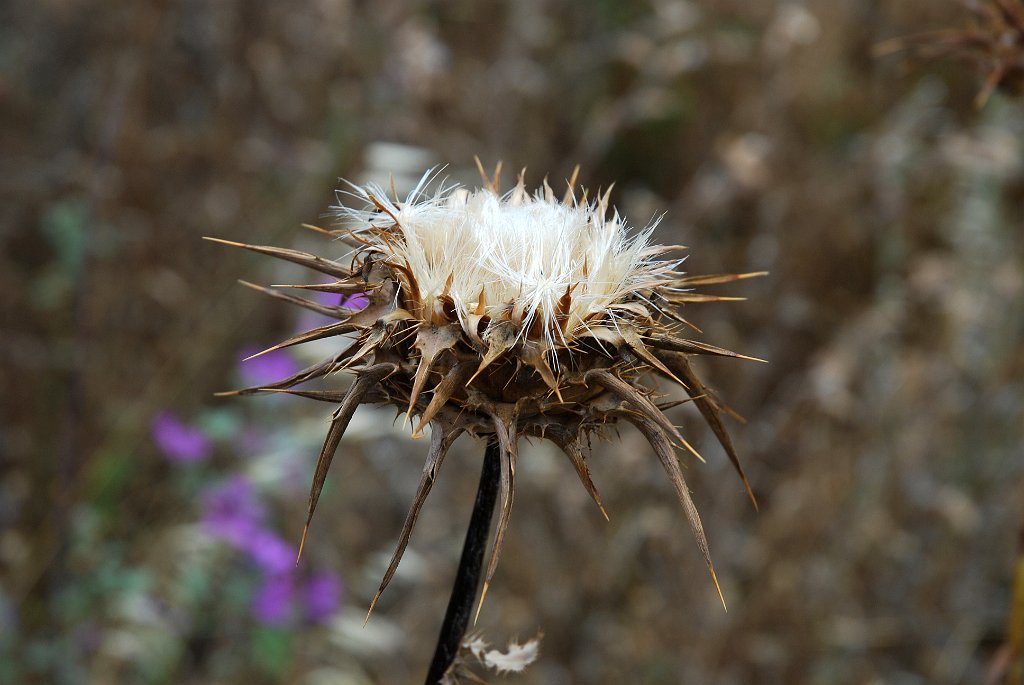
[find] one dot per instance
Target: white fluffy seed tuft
(514, 659)
(512, 250)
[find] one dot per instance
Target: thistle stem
(467, 578)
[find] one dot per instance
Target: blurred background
(147, 528)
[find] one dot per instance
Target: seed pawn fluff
(503, 316)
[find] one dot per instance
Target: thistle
(504, 316)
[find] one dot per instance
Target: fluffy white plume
(515, 249)
(514, 660)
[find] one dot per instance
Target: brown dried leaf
(369, 341)
(499, 338)
(663, 448)
(710, 411)
(365, 380)
(441, 439)
(333, 312)
(632, 338)
(533, 355)
(573, 448)
(454, 379)
(631, 396)
(431, 341)
(505, 428)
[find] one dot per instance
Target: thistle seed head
(501, 316)
(549, 267)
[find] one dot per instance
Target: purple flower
(267, 368)
(322, 596)
(269, 551)
(272, 603)
(232, 512)
(178, 441)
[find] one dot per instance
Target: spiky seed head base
(504, 315)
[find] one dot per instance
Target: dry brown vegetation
(883, 439)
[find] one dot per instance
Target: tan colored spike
(364, 381)
(315, 334)
(496, 180)
(570, 191)
(504, 423)
(368, 343)
(663, 448)
(494, 184)
(441, 439)
(499, 339)
(682, 298)
(670, 342)
(317, 370)
(356, 287)
(632, 397)
(709, 410)
(519, 194)
(372, 396)
(572, 447)
(715, 279)
(564, 307)
(676, 316)
(549, 193)
(326, 310)
(382, 208)
(634, 342)
(453, 380)
(295, 256)
(602, 203)
(431, 341)
(481, 302)
(533, 353)
(323, 231)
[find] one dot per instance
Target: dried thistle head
(501, 316)
(993, 41)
